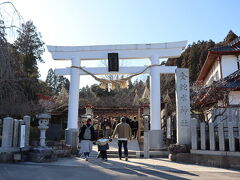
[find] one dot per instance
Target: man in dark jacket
(86, 136)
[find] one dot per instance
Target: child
(103, 146)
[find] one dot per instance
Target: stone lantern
(43, 153)
(43, 126)
(146, 117)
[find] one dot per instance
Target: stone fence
(215, 138)
(14, 134)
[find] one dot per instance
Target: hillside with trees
(195, 55)
(96, 96)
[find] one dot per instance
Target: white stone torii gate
(135, 51)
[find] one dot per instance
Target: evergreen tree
(56, 83)
(51, 79)
(30, 48)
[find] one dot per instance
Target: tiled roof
(233, 75)
(235, 42)
(232, 81)
(234, 85)
(231, 47)
(216, 90)
(226, 49)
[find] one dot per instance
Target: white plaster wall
(234, 97)
(229, 65)
(214, 74)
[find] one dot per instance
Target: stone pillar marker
(194, 133)
(26, 120)
(221, 137)
(203, 135)
(7, 133)
(43, 126)
(212, 137)
(231, 137)
(15, 133)
(183, 106)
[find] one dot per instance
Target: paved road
(77, 169)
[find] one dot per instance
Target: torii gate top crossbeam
(128, 51)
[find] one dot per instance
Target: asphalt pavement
(76, 169)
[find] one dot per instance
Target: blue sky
(96, 22)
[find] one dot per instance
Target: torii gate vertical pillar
(156, 141)
(71, 132)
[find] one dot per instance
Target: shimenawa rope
(123, 82)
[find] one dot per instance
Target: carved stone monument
(26, 120)
(7, 133)
(183, 106)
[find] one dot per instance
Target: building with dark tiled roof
(223, 63)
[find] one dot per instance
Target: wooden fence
(221, 136)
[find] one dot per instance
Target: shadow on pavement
(169, 169)
(147, 170)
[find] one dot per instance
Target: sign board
(113, 62)
(22, 136)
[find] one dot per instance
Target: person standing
(86, 137)
(134, 126)
(124, 133)
(114, 123)
(106, 128)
